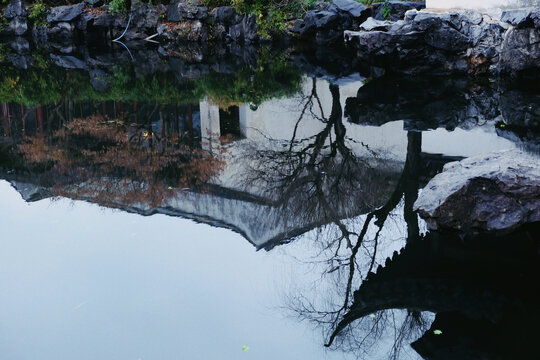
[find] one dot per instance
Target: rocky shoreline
(395, 36)
(465, 42)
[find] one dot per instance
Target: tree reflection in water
(362, 303)
(362, 310)
(113, 163)
(321, 177)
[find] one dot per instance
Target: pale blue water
(84, 282)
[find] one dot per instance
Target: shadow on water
(482, 290)
(232, 137)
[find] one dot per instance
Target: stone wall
(453, 42)
(479, 4)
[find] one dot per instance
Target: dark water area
(250, 203)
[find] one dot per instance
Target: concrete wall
(480, 4)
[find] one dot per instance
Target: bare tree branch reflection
(321, 177)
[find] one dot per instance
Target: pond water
(205, 205)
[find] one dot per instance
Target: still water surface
(159, 214)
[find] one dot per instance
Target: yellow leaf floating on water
(437, 332)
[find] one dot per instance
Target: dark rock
(99, 20)
(521, 18)
(449, 42)
(518, 110)
(423, 21)
(224, 67)
(395, 10)
(236, 32)
(20, 45)
(446, 38)
(379, 43)
(146, 16)
(15, 8)
(322, 19)
(302, 27)
(521, 51)
(246, 30)
(99, 80)
(218, 32)
(191, 30)
(225, 15)
(316, 20)
(184, 70)
(61, 32)
(17, 16)
(17, 26)
(94, 3)
(65, 13)
(178, 11)
(371, 24)
(353, 8)
(19, 61)
(120, 22)
(63, 47)
(249, 28)
(328, 36)
(69, 62)
(497, 192)
(39, 35)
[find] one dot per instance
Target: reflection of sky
(83, 282)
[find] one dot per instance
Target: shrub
(118, 6)
(38, 12)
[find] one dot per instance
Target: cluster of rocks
(452, 42)
(180, 21)
(191, 21)
(398, 36)
(16, 17)
(325, 24)
(194, 22)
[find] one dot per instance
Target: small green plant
(310, 4)
(272, 15)
(118, 6)
(38, 12)
(386, 10)
(3, 22)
